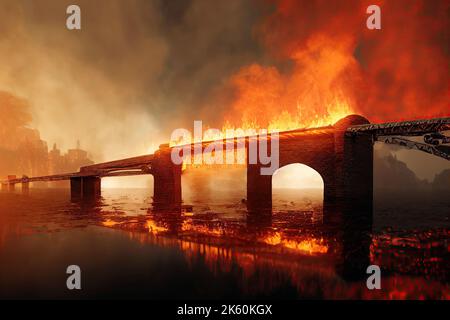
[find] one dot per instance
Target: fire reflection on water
(266, 268)
(309, 262)
(258, 269)
(307, 246)
(292, 249)
(304, 245)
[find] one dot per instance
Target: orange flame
(206, 230)
(153, 228)
(313, 94)
(311, 246)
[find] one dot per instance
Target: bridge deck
(68, 176)
(128, 163)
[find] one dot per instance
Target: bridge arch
(297, 186)
(214, 186)
(137, 181)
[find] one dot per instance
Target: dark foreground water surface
(214, 250)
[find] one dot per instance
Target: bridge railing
(405, 128)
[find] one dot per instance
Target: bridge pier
(259, 190)
(354, 163)
(76, 187)
(91, 187)
(11, 186)
(358, 170)
(167, 181)
(85, 187)
(25, 187)
(354, 191)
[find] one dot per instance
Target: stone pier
(259, 191)
(85, 187)
(25, 187)
(167, 181)
(11, 186)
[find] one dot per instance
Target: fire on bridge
(341, 153)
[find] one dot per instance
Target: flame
(287, 121)
(311, 245)
(153, 228)
(333, 59)
(327, 65)
(201, 229)
(313, 94)
(283, 121)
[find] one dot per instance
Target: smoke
(215, 185)
(15, 118)
(135, 71)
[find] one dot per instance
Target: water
(214, 250)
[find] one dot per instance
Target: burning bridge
(341, 153)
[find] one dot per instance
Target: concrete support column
(167, 181)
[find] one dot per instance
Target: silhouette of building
(66, 163)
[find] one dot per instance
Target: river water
(213, 249)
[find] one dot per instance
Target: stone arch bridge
(341, 153)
